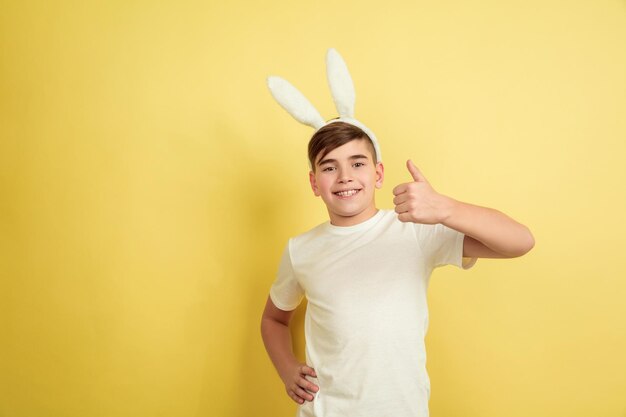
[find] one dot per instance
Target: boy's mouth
(347, 193)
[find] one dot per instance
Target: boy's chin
(347, 211)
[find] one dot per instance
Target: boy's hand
(297, 385)
(417, 202)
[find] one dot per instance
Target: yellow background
(149, 182)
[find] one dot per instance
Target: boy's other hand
(418, 202)
(297, 386)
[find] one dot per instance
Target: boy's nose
(344, 175)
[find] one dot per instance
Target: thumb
(415, 173)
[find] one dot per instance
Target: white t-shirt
(367, 315)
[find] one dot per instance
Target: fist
(417, 202)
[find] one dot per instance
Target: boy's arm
(473, 248)
(489, 233)
(277, 341)
(277, 337)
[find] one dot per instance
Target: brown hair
(334, 135)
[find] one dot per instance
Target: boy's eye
(356, 164)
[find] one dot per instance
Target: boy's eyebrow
(328, 161)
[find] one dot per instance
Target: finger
(402, 208)
(415, 173)
(307, 370)
(295, 397)
(404, 217)
(305, 383)
(399, 199)
(399, 189)
(303, 394)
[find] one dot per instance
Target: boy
(365, 275)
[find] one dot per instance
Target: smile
(347, 193)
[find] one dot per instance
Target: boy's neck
(343, 221)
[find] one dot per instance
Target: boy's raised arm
(491, 230)
(489, 227)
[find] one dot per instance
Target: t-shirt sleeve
(442, 245)
(286, 292)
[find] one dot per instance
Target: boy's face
(346, 179)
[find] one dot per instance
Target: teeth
(347, 193)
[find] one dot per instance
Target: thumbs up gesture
(417, 202)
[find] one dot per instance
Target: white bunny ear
(340, 83)
(294, 102)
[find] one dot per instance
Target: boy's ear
(314, 187)
(380, 174)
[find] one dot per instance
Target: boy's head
(345, 172)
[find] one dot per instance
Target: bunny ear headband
(341, 88)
